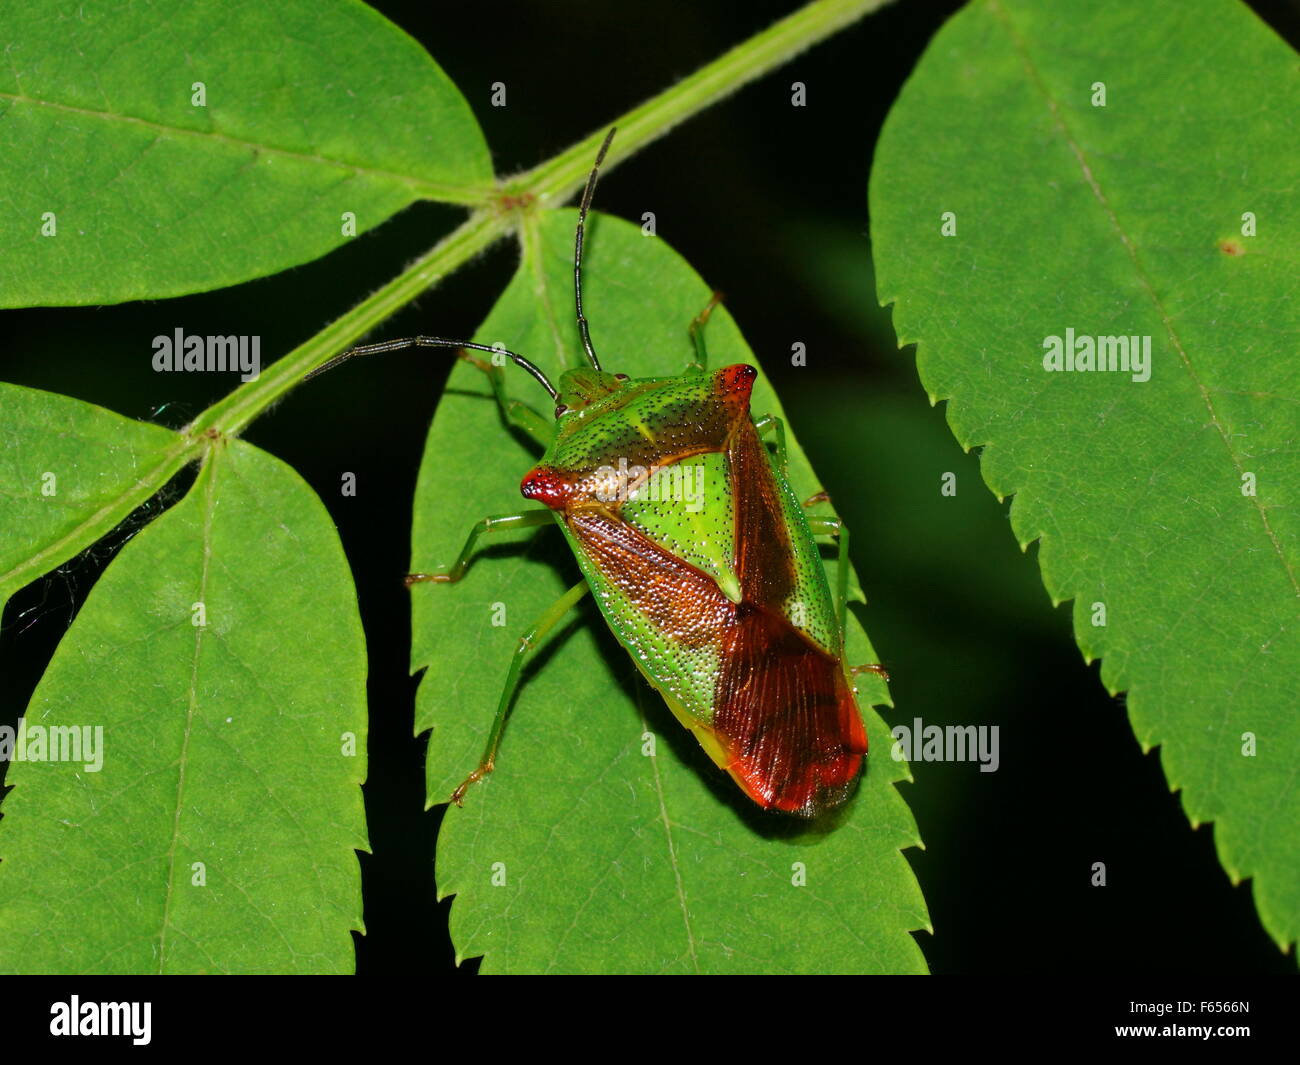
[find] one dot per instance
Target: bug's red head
(548, 486)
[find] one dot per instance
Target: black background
(768, 202)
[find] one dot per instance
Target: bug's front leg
(527, 644)
(696, 330)
(495, 523)
(516, 412)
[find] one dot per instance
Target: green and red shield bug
(701, 559)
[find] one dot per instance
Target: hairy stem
(548, 184)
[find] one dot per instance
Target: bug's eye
(560, 410)
(620, 377)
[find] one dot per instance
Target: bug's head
(582, 387)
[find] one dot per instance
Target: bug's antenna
(577, 249)
(433, 342)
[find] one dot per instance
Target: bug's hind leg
(495, 523)
(527, 643)
(696, 330)
(515, 412)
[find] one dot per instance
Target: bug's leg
(496, 523)
(777, 427)
(701, 363)
(835, 527)
(516, 412)
(527, 643)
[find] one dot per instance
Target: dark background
(768, 202)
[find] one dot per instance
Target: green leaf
(67, 470)
(609, 860)
(311, 109)
(214, 829)
(1127, 219)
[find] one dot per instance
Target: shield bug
(701, 559)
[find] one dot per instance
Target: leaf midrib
(209, 507)
(432, 190)
(532, 251)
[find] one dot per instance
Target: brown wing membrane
(786, 712)
(783, 704)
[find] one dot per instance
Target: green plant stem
(548, 184)
(559, 177)
(245, 403)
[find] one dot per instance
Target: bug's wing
(727, 611)
(783, 705)
(671, 616)
(766, 702)
(788, 717)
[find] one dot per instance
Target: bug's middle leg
(771, 423)
(527, 644)
(836, 528)
(494, 523)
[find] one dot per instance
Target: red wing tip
(823, 800)
(809, 797)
